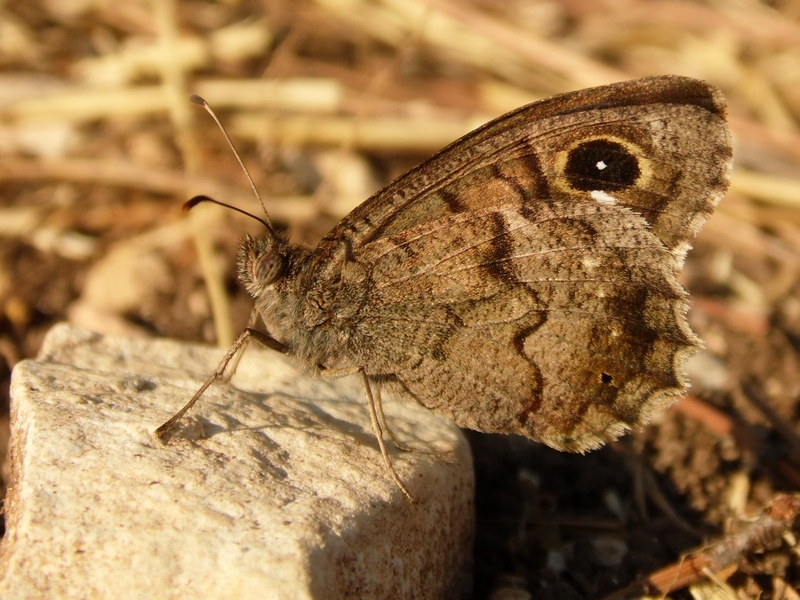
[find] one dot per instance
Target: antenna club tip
(198, 100)
(191, 203)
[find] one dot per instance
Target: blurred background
(329, 100)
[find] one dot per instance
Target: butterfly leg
(164, 432)
(377, 429)
(384, 425)
(229, 371)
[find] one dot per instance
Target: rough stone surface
(276, 492)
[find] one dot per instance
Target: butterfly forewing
(676, 122)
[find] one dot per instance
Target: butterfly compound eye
(268, 268)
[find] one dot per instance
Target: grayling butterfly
(522, 280)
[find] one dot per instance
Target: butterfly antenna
(267, 223)
(190, 204)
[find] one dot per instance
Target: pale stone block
(274, 492)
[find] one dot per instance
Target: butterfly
(524, 279)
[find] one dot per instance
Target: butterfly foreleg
(234, 353)
(228, 372)
(376, 417)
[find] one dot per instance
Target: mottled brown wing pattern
(550, 333)
(524, 280)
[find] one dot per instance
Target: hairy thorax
(313, 307)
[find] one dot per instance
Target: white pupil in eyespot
(601, 165)
(602, 197)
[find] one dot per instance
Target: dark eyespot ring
(603, 165)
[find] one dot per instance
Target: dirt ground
(328, 101)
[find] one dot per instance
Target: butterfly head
(262, 262)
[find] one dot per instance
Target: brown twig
(780, 516)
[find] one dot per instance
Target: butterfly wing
(524, 280)
(685, 132)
